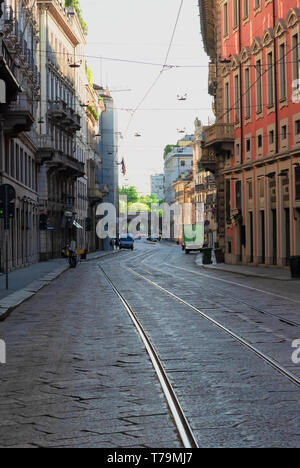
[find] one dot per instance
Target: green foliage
(89, 74)
(131, 193)
(168, 150)
(76, 5)
(141, 203)
(93, 112)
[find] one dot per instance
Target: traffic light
(7, 205)
(88, 224)
(43, 222)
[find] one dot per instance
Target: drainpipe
(276, 82)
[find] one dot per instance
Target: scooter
(72, 259)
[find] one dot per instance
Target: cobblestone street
(78, 375)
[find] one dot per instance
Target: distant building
(177, 164)
(109, 173)
(158, 186)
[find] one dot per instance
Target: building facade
(108, 176)
(50, 116)
(204, 188)
(253, 148)
(177, 164)
(20, 85)
(62, 153)
(158, 186)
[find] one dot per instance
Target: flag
(123, 167)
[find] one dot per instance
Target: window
(227, 103)
(259, 141)
(246, 8)
(235, 13)
(297, 127)
(296, 63)
(12, 165)
(248, 145)
(282, 71)
(238, 195)
(271, 137)
(259, 86)
(250, 191)
(284, 132)
(247, 94)
(262, 187)
(226, 20)
(26, 169)
(228, 200)
(237, 98)
(17, 162)
(256, 3)
(297, 178)
(270, 80)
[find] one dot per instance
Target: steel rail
(234, 335)
(256, 309)
(186, 434)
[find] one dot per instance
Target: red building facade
(258, 109)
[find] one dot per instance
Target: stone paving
(231, 397)
(77, 374)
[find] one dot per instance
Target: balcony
(46, 149)
(96, 193)
(64, 163)
(74, 125)
(220, 135)
(7, 73)
(18, 118)
(212, 79)
(208, 160)
(60, 114)
(57, 111)
(200, 187)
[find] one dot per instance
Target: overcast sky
(141, 30)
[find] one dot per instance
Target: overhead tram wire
(164, 67)
(140, 62)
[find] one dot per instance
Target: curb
(9, 303)
(247, 275)
(101, 256)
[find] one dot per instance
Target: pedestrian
(117, 243)
(112, 244)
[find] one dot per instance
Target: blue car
(127, 242)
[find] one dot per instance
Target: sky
(141, 30)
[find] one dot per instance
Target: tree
(131, 193)
(168, 150)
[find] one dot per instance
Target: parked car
(127, 242)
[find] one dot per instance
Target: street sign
(7, 212)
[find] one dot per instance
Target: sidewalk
(26, 282)
(273, 273)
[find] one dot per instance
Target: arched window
(2, 92)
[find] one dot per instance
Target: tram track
(184, 430)
(266, 358)
(238, 301)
